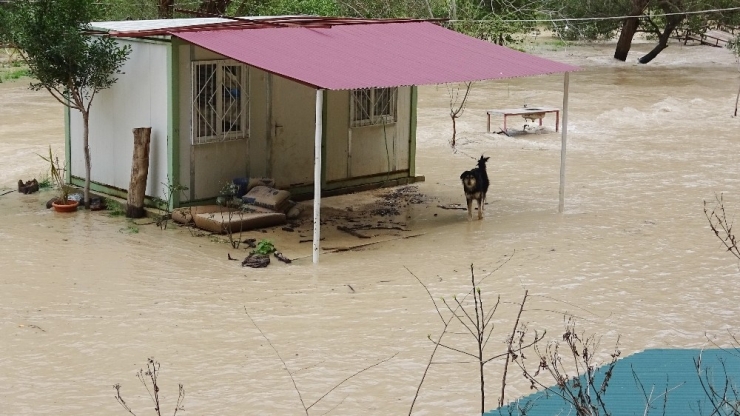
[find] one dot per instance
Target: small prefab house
(238, 98)
(318, 104)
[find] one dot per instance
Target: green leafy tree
(659, 18)
(53, 39)
(494, 20)
(113, 10)
(283, 7)
(4, 25)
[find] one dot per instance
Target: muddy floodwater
(86, 298)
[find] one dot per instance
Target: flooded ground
(86, 298)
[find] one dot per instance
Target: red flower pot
(70, 206)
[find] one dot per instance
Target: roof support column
(564, 132)
(317, 175)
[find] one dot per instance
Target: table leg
(505, 124)
(488, 127)
(557, 120)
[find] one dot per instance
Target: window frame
(366, 102)
(220, 134)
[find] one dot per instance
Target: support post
(564, 133)
(139, 173)
(317, 175)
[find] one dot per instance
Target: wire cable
(576, 19)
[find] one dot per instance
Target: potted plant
(61, 203)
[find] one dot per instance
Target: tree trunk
(629, 28)
(139, 173)
(165, 9)
(653, 53)
(482, 377)
(454, 128)
(86, 147)
(671, 23)
(214, 7)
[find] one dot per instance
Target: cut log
(139, 172)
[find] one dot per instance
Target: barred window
(220, 101)
(371, 106)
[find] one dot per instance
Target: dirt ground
(86, 298)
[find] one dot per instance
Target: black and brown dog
(475, 184)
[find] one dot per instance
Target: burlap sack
(266, 197)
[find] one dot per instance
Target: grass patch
(130, 229)
(17, 73)
(13, 70)
(45, 182)
(115, 208)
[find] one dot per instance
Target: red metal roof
(372, 55)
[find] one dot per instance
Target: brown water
(84, 300)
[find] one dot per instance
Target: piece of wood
(351, 231)
(360, 246)
(278, 255)
(452, 207)
(139, 173)
(310, 240)
(378, 227)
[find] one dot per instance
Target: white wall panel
(137, 99)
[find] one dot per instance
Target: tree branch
(295, 386)
(509, 351)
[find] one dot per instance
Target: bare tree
(307, 407)
(149, 379)
(457, 105)
(650, 398)
(574, 371)
(476, 320)
(722, 226)
(723, 396)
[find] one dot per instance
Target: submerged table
(530, 113)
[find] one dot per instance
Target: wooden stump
(139, 172)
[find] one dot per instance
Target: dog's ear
(464, 174)
(485, 159)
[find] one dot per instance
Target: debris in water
(256, 261)
(278, 255)
(28, 187)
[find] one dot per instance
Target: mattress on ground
(220, 220)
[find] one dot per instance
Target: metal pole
(317, 176)
(561, 205)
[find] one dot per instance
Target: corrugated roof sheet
(155, 24)
(372, 55)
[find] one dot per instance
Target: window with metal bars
(220, 101)
(372, 106)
